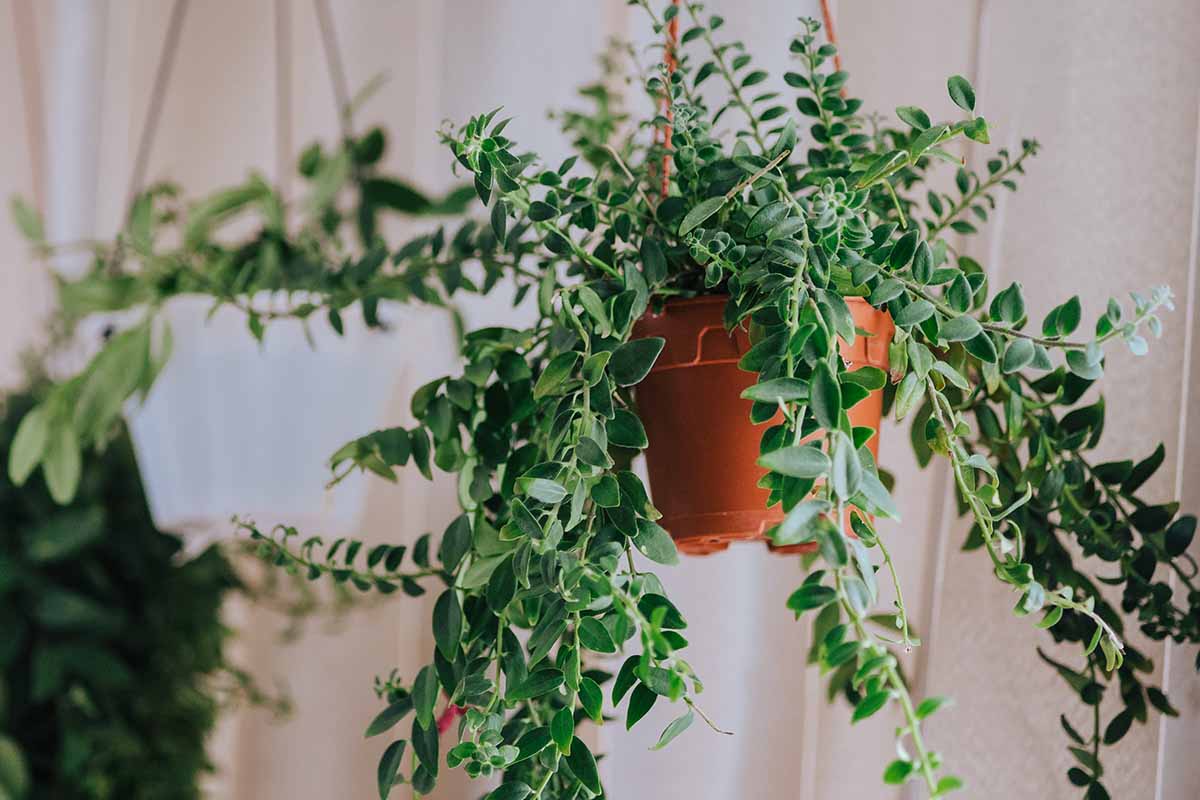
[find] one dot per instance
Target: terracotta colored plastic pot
(703, 447)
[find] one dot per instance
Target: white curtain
(1112, 89)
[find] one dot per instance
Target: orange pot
(703, 451)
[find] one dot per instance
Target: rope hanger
(166, 63)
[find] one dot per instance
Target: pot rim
(709, 299)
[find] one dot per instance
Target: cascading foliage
(788, 213)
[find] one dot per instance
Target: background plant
(242, 246)
(112, 665)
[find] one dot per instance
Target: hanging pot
(702, 458)
(234, 426)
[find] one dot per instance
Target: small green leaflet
(389, 767)
(677, 726)
(655, 543)
(961, 92)
(699, 214)
(800, 461)
(632, 361)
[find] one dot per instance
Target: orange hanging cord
(831, 33)
(831, 37)
(670, 61)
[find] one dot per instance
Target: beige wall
(1110, 88)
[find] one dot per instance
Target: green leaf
(533, 743)
(1160, 701)
(1179, 535)
(870, 378)
(595, 637)
(625, 680)
(593, 367)
(961, 92)
(897, 772)
(810, 596)
(1017, 355)
(544, 490)
(592, 699)
(799, 461)
(655, 543)
(887, 290)
(626, 430)
(513, 790)
(456, 542)
(797, 526)
(425, 745)
(28, 445)
(583, 766)
(556, 374)
(903, 251)
(499, 221)
(766, 218)
(914, 116)
(677, 726)
(654, 262)
(1118, 727)
(632, 361)
(540, 682)
(699, 213)
(914, 313)
(385, 720)
(953, 376)
(389, 767)
(1079, 364)
(640, 703)
(425, 695)
(27, 220)
(878, 495)
(959, 329)
(562, 729)
(826, 396)
(929, 705)
(777, 389)
(846, 471)
(502, 586)
(869, 705)
(948, 783)
(447, 624)
(62, 464)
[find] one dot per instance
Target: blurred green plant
(112, 665)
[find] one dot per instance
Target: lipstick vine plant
(541, 425)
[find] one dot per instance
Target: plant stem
(979, 190)
(734, 90)
(899, 688)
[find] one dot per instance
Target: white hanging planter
(235, 427)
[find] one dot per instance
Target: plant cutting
(794, 219)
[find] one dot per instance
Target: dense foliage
(540, 428)
(110, 650)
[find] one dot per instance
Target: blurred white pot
(233, 426)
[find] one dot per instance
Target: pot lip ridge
(711, 299)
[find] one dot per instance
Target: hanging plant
(541, 427)
(289, 262)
